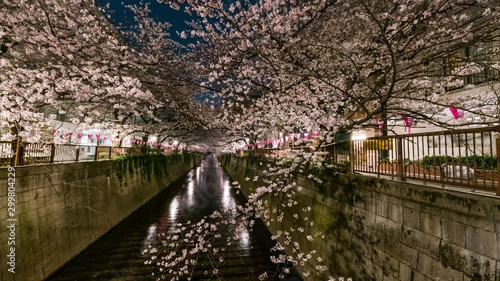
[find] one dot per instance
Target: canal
(122, 253)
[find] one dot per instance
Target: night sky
(122, 16)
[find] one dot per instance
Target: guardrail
(35, 153)
(459, 157)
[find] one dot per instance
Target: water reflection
(151, 236)
(119, 254)
(190, 194)
(244, 239)
(228, 202)
(206, 190)
(174, 208)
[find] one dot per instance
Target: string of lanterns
(291, 137)
(80, 136)
(409, 121)
(102, 138)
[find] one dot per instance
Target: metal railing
(459, 157)
(35, 153)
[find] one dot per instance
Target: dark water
(119, 254)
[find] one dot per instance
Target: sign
(377, 144)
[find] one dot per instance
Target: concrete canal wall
(61, 209)
(383, 230)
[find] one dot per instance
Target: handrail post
(400, 159)
(16, 153)
(77, 153)
(110, 150)
(17, 156)
(52, 152)
(96, 154)
(497, 140)
(351, 156)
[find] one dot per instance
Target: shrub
(480, 161)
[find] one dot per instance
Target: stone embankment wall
(383, 230)
(61, 209)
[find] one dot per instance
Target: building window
(452, 60)
(60, 117)
(481, 55)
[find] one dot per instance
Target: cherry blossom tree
(318, 65)
(330, 66)
(273, 66)
(64, 56)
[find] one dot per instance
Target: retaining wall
(61, 209)
(381, 230)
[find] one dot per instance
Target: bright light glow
(175, 142)
(244, 239)
(358, 135)
(174, 208)
(190, 192)
(227, 200)
(150, 239)
(151, 232)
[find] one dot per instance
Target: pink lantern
(306, 136)
(90, 136)
(456, 113)
(408, 122)
(380, 125)
(315, 134)
(69, 135)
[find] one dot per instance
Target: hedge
(485, 161)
